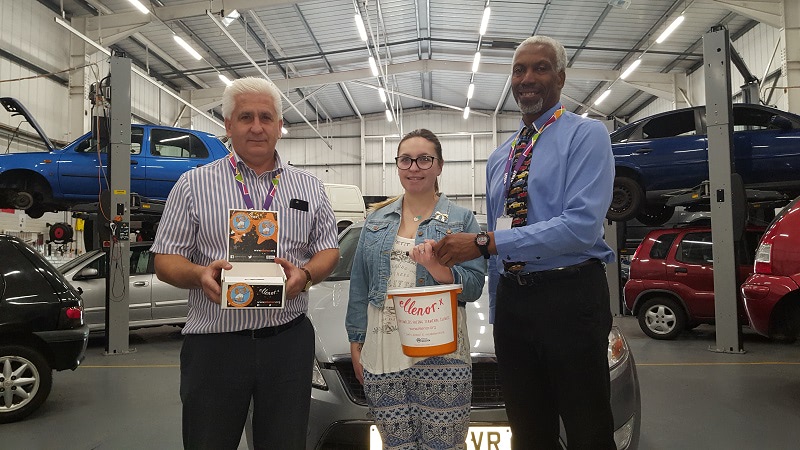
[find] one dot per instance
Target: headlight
(617, 348)
(317, 380)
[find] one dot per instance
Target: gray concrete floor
(692, 398)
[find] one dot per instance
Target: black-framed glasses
(423, 162)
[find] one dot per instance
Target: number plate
(478, 438)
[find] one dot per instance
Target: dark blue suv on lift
(668, 152)
(54, 180)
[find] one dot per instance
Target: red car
(671, 282)
(772, 293)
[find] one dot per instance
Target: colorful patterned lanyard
(521, 159)
(248, 200)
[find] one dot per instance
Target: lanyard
(248, 200)
(508, 177)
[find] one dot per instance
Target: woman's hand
(355, 356)
(424, 254)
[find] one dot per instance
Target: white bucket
(426, 319)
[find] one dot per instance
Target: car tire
(655, 215)
(17, 362)
(662, 318)
(22, 200)
(628, 198)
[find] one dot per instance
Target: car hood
(327, 308)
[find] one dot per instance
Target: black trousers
(221, 373)
(551, 340)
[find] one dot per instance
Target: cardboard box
(255, 281)
(254, 285)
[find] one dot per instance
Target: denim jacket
(371, 265)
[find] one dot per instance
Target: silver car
(152, 301)
(339, 414)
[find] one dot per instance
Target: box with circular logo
(255, 280)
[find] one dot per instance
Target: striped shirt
(195, 225)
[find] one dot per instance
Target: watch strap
(308, 279)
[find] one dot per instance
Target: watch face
(482, 239)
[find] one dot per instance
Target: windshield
(347, 249)
(71, 264)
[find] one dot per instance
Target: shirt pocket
(374, 233)
(441, 230)
(296, 227)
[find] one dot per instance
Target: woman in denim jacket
(416, 402)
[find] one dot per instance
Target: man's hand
(210, 279)
(456, 248)
(295, 278)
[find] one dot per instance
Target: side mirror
(87, 272)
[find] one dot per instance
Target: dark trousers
(221, 373)
(551, 340)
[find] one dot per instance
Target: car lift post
(118, 209)
(723, 189)
(616, 241)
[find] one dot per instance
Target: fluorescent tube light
(373, 66)
(466, 112)
(631, 68)
(586, 114)
(602, 97)
(476, 62)
(225, 80)
(187, 47)
(470, 91)
(485, 20)
(678, 20)
(389, 116)
(233, 15)
(284, 130)
(382, 94)
(362, 32)
(140, 6)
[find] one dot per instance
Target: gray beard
(531, 108)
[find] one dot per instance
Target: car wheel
(662, 318)
(25, 381)
(628, 198)
(655, 215)
(22, 200)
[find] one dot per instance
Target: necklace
(416, 218)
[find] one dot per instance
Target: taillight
(74, 312)
(763, 264)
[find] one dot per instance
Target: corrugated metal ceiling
(290, 40)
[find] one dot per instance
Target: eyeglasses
(423, 162)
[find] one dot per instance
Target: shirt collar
(539, 123)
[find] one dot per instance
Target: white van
(348, 204)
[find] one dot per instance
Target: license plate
(478, 438)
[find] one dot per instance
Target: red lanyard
(248, 200)
(506, 178)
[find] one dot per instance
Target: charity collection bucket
(426, 319)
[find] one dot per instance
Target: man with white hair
(548, 188)
(232, 356)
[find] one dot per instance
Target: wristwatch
(308, 280)
(482, 241)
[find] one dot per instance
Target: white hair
(558, 49)
(250, 85)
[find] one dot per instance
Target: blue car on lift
(59, 178)
(667, 153)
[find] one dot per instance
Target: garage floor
(691, 398)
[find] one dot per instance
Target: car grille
(485, 384)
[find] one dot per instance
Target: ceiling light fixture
(362, 32)
(470, 91)
(284, 130)
(476, 62)
(602, 97)
(382, 94)
(466, 112)
(225, 79)
(678, 20)
(373, 66)
(140, 6)
(485, 20)
(389, 117)
(187, 47)
(631, 68)
(230, 18)
(586, 114)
